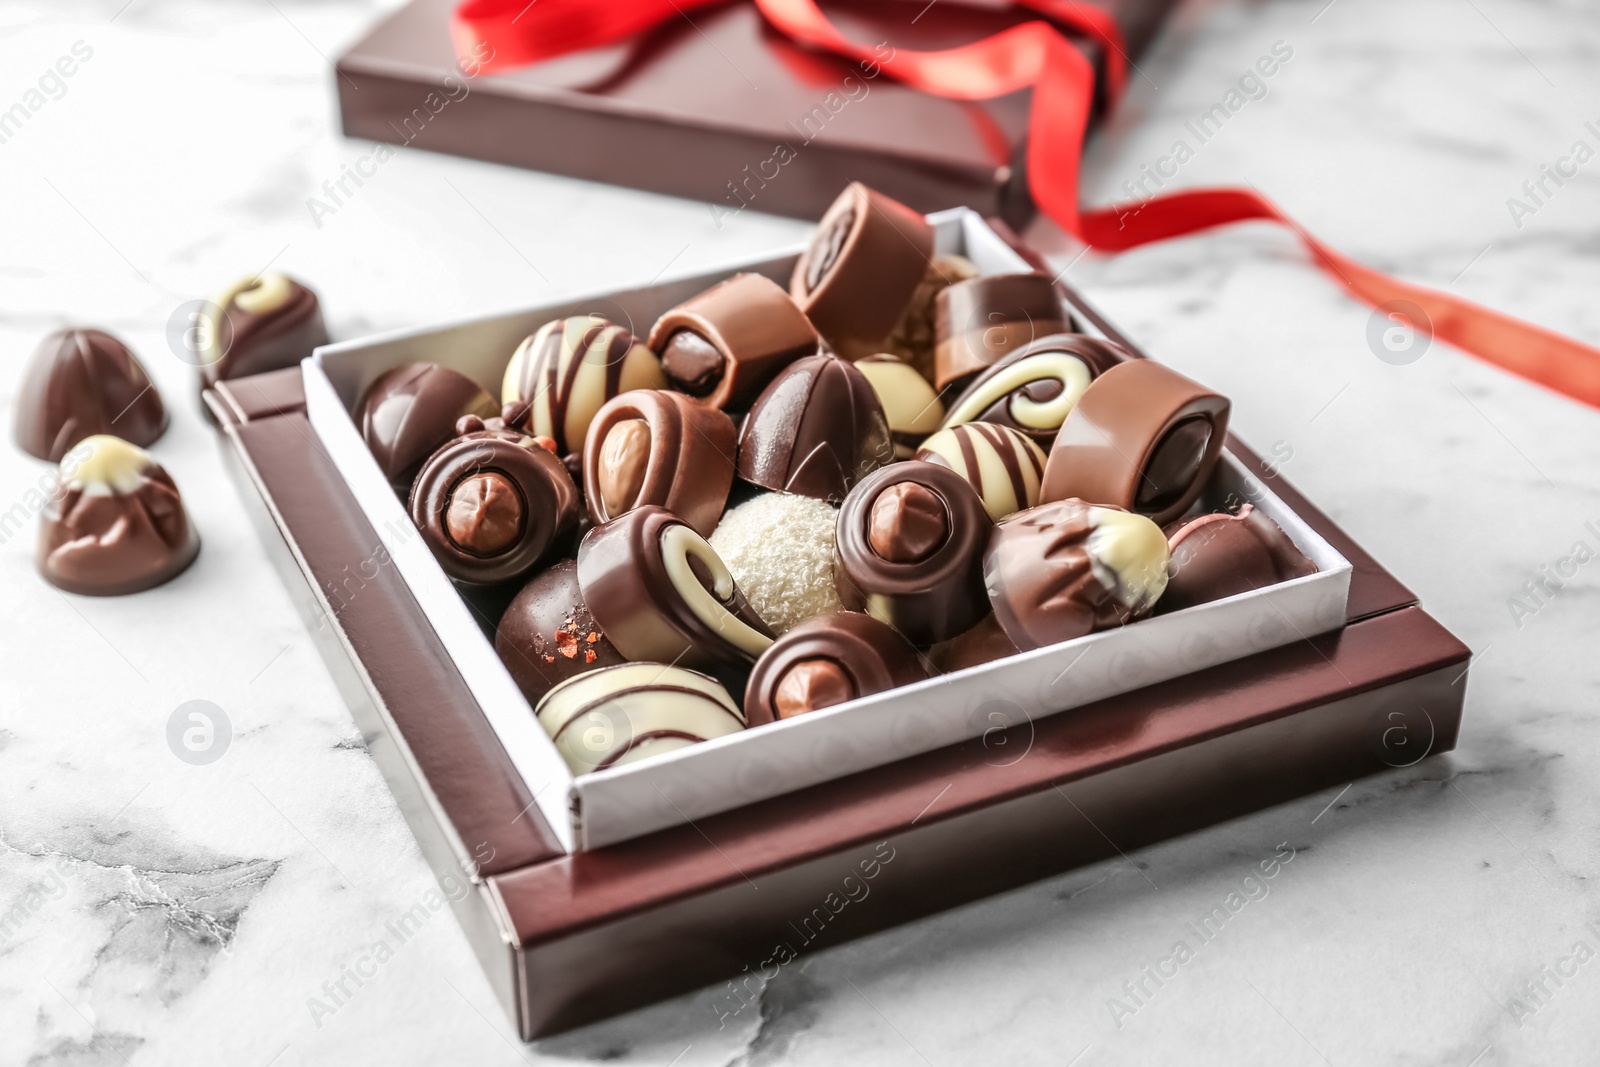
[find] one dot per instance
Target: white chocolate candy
(256, 294)
(1128, 553)
(623, 714)
(104, 465)
(913, 408)
(1004, 466)
(569, 367)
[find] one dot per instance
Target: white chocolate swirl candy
(623, 714)
(568, 368)
(679, 545)
(1004, 466)
(1007, 393)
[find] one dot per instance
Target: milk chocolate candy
(979, 322)
(909, 402)
(411, 410)
(1033, 390)
(83, 383)
(859, 274)
(261, 323)
(910, 551)
(723, 346)
(1216, 556)
(1143, 438)
(657, 447)
(1002, 465)
(492, 505)
(1068, 568)
(548, 634)
(817, 430)
(662, 593)
(826, 661)
(623, 714)
(984, 643)
(570, 367)
(117, 526)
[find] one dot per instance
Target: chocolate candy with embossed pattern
(817, 430)
(80, 383)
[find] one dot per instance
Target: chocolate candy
(817, 430)
(411, 410)
(984, 643)
(662, 593)
(493, 504)
(569, 368)
(81, 383)
(909, 402)
(548, 634)
(723, 346)
(913, 338)
(656, 447)
(1002, 465)
(264, 322)
(118, 525)
(1143, 438)
(979, 322)
(779, 548)
(862, 269)
(1034, 389)
(910, 551)
(1067, 568)
(1219, 555)
(623, 714)
(826, 661)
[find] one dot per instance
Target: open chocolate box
(602, 891)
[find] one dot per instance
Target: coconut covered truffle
(779, 548)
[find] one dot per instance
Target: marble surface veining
(154, 911)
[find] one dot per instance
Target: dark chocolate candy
(412, 410)
(817, 430)
(492, 505)
(1143, 438)
(262, 323)
(910, 550)
(548, 634)
(1035, 388)
(861, 270)
(1067, 568)
(570, 367)
(632, 711)
(662, 593)
(826, 661)
(1216, 556)
(981, 321)
(81, 383)
(118, 525)
(659, 447)
(723, 346)
(1003, 466)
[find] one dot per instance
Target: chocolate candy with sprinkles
(623, 714)
(1002, 465)
(548, 633)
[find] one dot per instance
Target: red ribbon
(1035, 55)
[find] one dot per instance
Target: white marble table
(176, 914)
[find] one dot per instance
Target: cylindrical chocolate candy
(982, 320)
(568, 368)
(261, 323)
(411, 410)
(723, 346)
(651, 446)
(826, 661)
(909, 402)
(1067, 568)
(81, 383)
(548, 634)
(817, 430)
(1034, 390)
(910, 551)
(1143, 438)
(1002, 465)
(662, 593)
(633, 711)
(492, 505)
(1216, 556)
(861, 270)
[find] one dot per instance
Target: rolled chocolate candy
(1034, 390)
(912, 340)
(633, 711)
(817, 430)
(1002, 465)
(568, 368)
(548, 634)
(859, 274)
(1067, 568)
(980, 321)
(493, 504)
(723, 346)
(411, 410)
(650, 446)
(260, 323)
(826, 661)
(82, 383)
(1216, 556)
(662, 593)
(909, 402)
(910, 551)
(118, 524)
(1143, 438)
